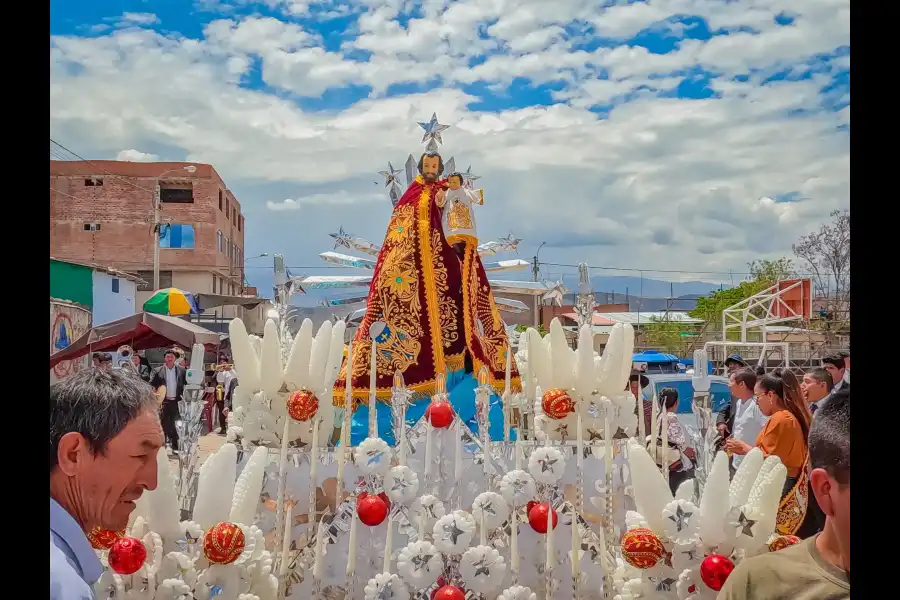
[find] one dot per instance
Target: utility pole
(535, 271)
(156, 232)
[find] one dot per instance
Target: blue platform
(461, 387)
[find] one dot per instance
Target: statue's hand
(440, 198)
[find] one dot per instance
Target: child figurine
(458, 220)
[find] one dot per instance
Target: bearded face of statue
(431, 166)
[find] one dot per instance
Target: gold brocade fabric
(459, 217)
(793, 507)
(416, 303)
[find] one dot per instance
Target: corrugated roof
(597, 319)
(108, 270)
(645, 317)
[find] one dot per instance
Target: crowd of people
(107, 425)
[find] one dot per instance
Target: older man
(104, 439)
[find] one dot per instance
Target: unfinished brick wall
(123, 208)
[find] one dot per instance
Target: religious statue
(430, 310)
(458, 220)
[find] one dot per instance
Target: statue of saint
(458, 219)
(429, 309)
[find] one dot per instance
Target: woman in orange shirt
(784, 435)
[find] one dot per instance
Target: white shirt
(225, 377)
(748, 422)
(74, 566)
(171, 382)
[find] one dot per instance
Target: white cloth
(846, 376)
(748, 422)
(458, 218)
(677, 437)
(171, 382)
(224, 378)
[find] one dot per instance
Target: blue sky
(639, 134)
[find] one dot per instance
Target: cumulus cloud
(133, 155)
(615, 169)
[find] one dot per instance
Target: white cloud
(136, 18)
(133, 155)
(340, 198)
(659, 181)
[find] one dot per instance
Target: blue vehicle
(718, 388)
(654, 361)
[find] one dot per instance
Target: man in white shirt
(224, 376)
(836, 365)
(174, 378)
(748, 419)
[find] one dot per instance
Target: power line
(657, 270)
(96, 166)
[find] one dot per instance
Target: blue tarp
(654, 356)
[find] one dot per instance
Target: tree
(540, 329)
(772, 271)
(671, 336)
(826, 255)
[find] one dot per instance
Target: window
(115, 285)
(92, 226)
(233, 252)
(214, 284)
(227, 247)
(220, 199)
(234, 216)
(93, 182)
(227, 209)
(177, 236)
(176, 193)
(219, 240)
(165, 280)
(241, 223)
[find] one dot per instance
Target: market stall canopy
(141, 331)
(207, 301)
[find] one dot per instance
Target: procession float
(424, 460)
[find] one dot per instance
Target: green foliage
(771, 271)
(667, 335)
(540, 329)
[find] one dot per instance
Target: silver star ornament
(433, 130)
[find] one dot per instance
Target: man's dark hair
(747, 376)
(668, 397)
(96, 355)
(170, 351)
(98, 404)
(105, 357)
(829, 437)
(432, 155)
(835, 360)
(822, 376)
(760, 370)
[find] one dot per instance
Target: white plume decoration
(270, 369)
(215, 487)
(296, 372)
(246, 361)
(248, 488)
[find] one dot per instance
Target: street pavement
(209, 443)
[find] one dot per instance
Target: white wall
(108, 305)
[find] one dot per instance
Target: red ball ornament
(223, 543)
(449, 592)
(441, 582)
(103, 539)
(372, 510)
(641, 548)
(557, 404)
(440, 414)
(780, 542)
(531, 504)
(537, 517)
(302, 405)
(127, 555)
(714, 570)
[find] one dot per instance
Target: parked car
(718, 388)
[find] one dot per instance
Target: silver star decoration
(488, 507)
(374, 457)
(385, 592)
(453, 532)
(390, 176)
(665, 585)
(429, 511)
(745, 524)
(419, 561)
(547, 464)
(470, 178)
(431, 147)
(399, 484)
(433, 130)
(679, 518)
(691, 554)
(482, 567)
(519, 485)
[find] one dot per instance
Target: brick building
(101, 213)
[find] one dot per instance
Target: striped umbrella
(172, 302)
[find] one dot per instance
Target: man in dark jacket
(173, 377)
